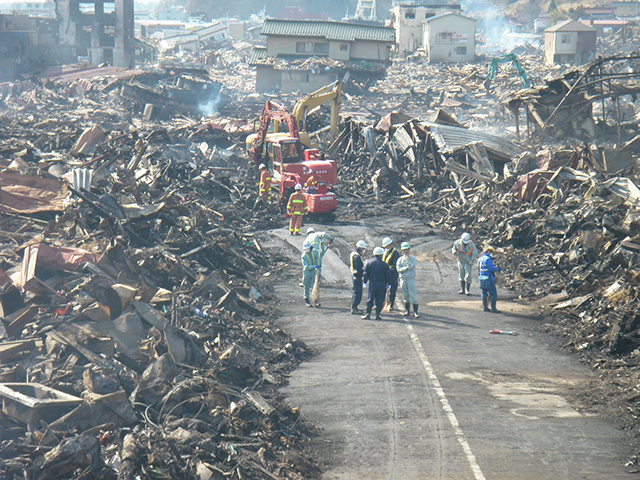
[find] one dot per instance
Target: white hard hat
(386, 241)
(306, 245)
(466, 238)
(310, 230)
(298, 186)
(361, 244)
(262, 165)
(378, 251)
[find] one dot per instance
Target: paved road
(438, 397)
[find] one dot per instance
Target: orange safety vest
(297, 204)
(470, 248)
(265, 181)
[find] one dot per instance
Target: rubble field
(138, 332)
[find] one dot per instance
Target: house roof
(447, 14)
(340, 31)
(570, 26)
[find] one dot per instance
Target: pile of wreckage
(136, 327)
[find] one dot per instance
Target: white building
(33, 8)
(449, 37)
(408, 16)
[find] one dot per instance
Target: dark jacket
(377, 271)
(357, 266)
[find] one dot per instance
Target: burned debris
(137, 334)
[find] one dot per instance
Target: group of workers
(388, 269)
(466, 253)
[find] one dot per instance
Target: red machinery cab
(313, 173)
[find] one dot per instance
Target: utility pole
(366, 10)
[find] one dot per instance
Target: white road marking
(475, 468)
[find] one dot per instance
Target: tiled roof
(340, 31)
(258, 55)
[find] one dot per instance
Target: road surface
(437, 397)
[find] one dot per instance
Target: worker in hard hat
(487, 279)
(378, 276)
(390, 257)
(296, 209)
(466, 253)
(310, 264)
(406, 267)
(357, 272)
(310, 232)
(321, 241)
(265, 183)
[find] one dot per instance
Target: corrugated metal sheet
(346, 32)
(450, 139)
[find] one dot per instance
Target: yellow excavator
(328, 93)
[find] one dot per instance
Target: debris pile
(136, 335)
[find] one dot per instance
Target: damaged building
(26, 43)
(450, 37)
(98, 32)
(569, 42)
(408, 17)
(306, 55)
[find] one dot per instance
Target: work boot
(415, 311)
(378, 317)
(307, 302)
(366, 316)
(318, 305)
(493, 305)
(407, 309)
(468, 288)
(462, 285)
(485, 304)
(355, 310)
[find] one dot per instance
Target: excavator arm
(332, 93)
(509, 57)
(271, 112)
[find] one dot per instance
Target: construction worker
(311, 183)
(466, 254)
(296, 208)
(321, 241)
(357, 272)
(310, 265)
(310, 232)
(265, 182)
(406, 267)
(487, 279)
(390, 257)
(378, 276)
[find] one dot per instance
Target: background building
(450, 37)
(569, 42)
(407, 21)
(306, 55)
